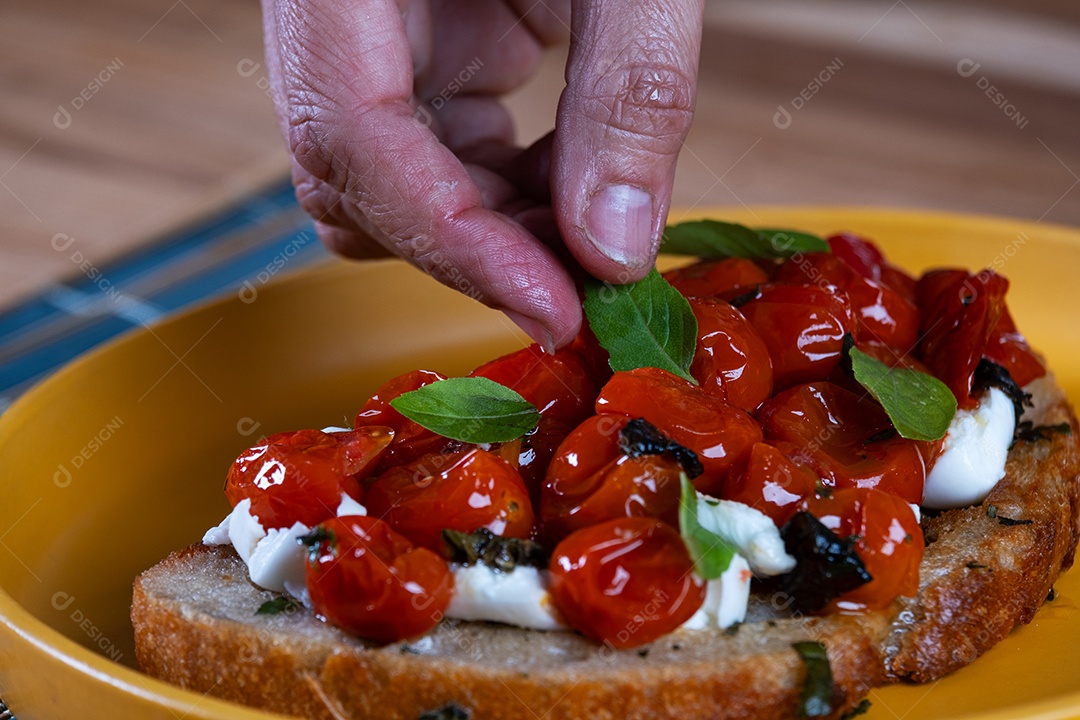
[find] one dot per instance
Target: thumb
(622, 120)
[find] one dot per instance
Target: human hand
(400, 146)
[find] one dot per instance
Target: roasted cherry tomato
(730, 360)
(803, 326)
(625, 582)
(959, 314)
(1008, 348)
(859, 254)
(560, 387)
(772, 483)
(865, 258)
(411, 440)
(719, 433)
(368, 580)
(300, 476)
(714, 278)
(881, 314)
(462, 491)
(847, 439)
(591, 479)
(890, 543)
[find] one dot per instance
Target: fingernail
(534, 329)
(619, 222)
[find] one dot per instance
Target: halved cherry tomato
(368, 580)
(881, 314)
(858, 253)
(890, 543)
(1008, 348)
(866, 259)
(803, 326)
(560, 387)
(719, 433)
(462, 491)
(625, 582)
(730, 360)
(772, 483)
(959, 314)
(591, 480)
(411, 440)
(713, 278)
(299, 476)
(845, 438)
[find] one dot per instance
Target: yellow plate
(120, 458)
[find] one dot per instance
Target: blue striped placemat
(237, 248)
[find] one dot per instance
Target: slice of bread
(985, 571)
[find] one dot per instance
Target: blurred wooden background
(123, 119)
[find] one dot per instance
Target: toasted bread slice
(985, 571)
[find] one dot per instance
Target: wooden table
(122, 119)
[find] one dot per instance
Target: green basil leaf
(470, 409)
(713, 239)
(818, 685)
(919, 405)
(280, 604)
(644, 324)
(710, 552)
(786, 243)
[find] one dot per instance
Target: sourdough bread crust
(195, 625)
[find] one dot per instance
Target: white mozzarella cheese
(726, 598)
(973, 456)
(519, 597)
(750, 532)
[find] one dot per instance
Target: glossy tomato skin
(719, 433)
(959, 313)
(463, 490)
(881, 314)
(847, 439)
(803, 326)
(591, 480)
(411, 440)
(370, 581)
(1008, 348)
(716, 278)
(299, 476)
(772, 483)
(731, 361)
(625, 582)
(890, 543)
(858, 253)
(560, 386)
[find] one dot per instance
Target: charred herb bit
(450, 711)
(826, 565)
(314, 540)
(1051, 595)
(975, 566)
(992, 513)
(280, 604)
(818, 685)
(861, 709)
(990, 374)
(498, 553)
(640, 437)
(886, 434)
(1028, 432)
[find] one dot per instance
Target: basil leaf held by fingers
(470, 409)
(716, 239)
(647, 323)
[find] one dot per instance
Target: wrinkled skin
(401, 146)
